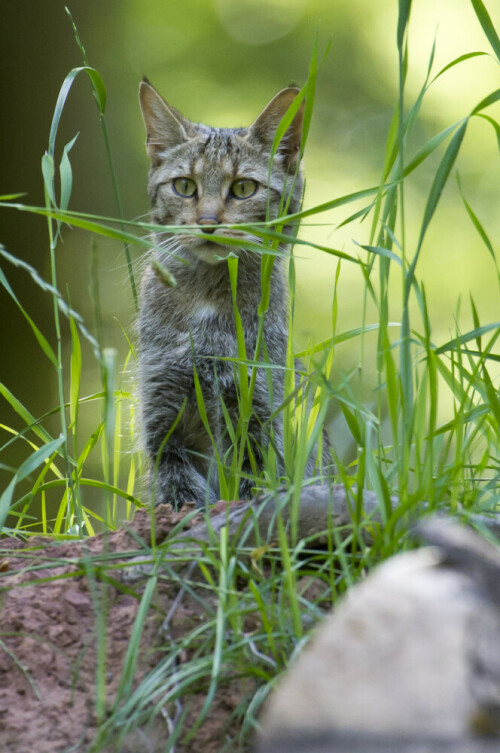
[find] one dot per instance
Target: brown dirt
(49, 652)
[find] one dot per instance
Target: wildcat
(208, 176)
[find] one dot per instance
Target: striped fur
(192, 324)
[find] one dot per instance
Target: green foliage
(429, 435)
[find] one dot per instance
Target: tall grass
(405, 452)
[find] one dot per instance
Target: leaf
(109, 359)
(24, 413)
(441, 177)
(457, 61)
(403, 18)
(428, 148)
(335, 203)
(66, 175)
(76, 373)
(99, 91)
(406, 367)
(48, 172)
(11, 196)
(24, 470)
(343, 337)
(477, 225)
(63, 306)
(98, 88)
(42, 341)
(493, 401)
(486, 102)
(437, 187)
(96, 484)
(484, 356)
(61, 101)
(392, 146)
(472, 335)
(131, 657)
(78, 219)
(352, 423)
(488, 28)
(382, 252)
(363, 213)
(494, 123)
(310, 92)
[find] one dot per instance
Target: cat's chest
(202, 314)
(211, 329)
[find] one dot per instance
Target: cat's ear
(264, 128)
(165, 126)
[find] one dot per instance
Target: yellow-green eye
(184, 187)
(244, 188)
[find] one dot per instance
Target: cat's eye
(244, 188)
(184, 187)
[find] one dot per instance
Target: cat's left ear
(264, 128)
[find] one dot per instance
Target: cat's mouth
(213, 249)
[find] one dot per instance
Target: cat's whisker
(139, 217)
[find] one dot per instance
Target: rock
(408, 661)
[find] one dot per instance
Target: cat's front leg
(178, 447)
(261, 442)
(175, 478)
(262, 435)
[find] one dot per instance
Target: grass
(404, 449)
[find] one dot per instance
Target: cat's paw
(247, 489)
(176, 489)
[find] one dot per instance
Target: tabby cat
(208, 176)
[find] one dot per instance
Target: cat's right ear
(165, 126)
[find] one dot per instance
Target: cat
(209, 176)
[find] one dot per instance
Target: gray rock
(409, 660)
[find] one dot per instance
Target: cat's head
(208, 176)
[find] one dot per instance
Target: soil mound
(58, 682)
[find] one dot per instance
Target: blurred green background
(220, 61)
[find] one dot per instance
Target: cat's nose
(209, 223)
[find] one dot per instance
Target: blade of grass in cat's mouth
(220, 236)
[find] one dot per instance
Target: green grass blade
(77, 219)
(61, 303)
(75, 374)
(98, 86)
(48, 173)
(24, 470)
(487, 24)
(131, 657)
(429, 148)
(403, 20)
(24, 413)
(439, 183)
(486, 102)
(493, 123)
(457, 61)
(5, 197)
(335, 203)
(477, 224)
(472, 335)
(66, 174)
(42, 341)
(383, 252)
(97, 484)
(61, 101)
(310, 94)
